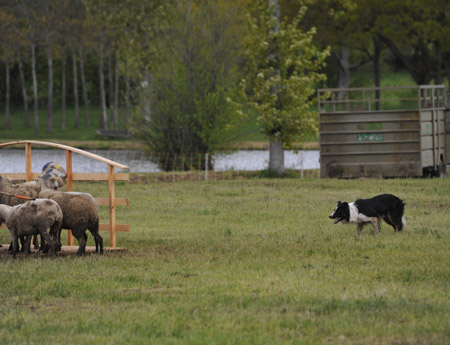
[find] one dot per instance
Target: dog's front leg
(359, 228)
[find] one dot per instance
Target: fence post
(70, 240)
(112, 207)
(301, 163)
(28, 161)
(206, 166)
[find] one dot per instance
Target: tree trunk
(116, 94)
(87, 122)
(276, 157)
(75, 90)
(344, 72)
(438, 65)
(276, 152)
(274, 6)
(35, 88)
(63, 89)
(127, 98)
(7, 94)
(376, 69)
(103, 116)
(146, 97)
(111, 86)
(50, 90)
(24, 92)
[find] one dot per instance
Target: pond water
(13, 160)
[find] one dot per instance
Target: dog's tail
(398, 214)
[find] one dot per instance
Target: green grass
(246, 261)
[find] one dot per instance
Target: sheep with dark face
(41, 216)
(79, 213)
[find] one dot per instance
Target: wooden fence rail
(110, 176)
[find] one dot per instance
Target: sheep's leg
(81, 241)
(15, 242)
(98, 243)
(44, 245)
(15, 247)
(22, 243)
(98, 240)
(36, 242)
(46, 237)
(55, 233)
(28, 245)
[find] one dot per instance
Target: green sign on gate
(369, 137)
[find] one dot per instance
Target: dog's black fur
(363, 211)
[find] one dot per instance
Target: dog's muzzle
(336, 219)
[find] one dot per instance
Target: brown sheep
(37, 216)
(79, 213)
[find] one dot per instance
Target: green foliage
(242, 262)
(185, 108)
(284, 71)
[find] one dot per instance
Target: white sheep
(41, 216)
(14, 194)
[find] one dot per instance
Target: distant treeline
(118, 53)
(53, 54)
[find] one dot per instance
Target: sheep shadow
(65, 251)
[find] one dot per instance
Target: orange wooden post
(28, 161)
(112, 206)
(69, 188)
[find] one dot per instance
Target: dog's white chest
(356, 216)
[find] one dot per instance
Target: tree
(50, 25)
(284, 67)
(416, 32)
(332, 19)
(7, 23)
(198, 51)
(29, 12)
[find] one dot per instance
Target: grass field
(245, 261)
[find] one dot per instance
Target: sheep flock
(37, 208)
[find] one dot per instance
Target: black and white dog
(363, 211)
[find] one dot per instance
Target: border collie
(363, 211)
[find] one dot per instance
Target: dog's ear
(345, 203)
(339, 202)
